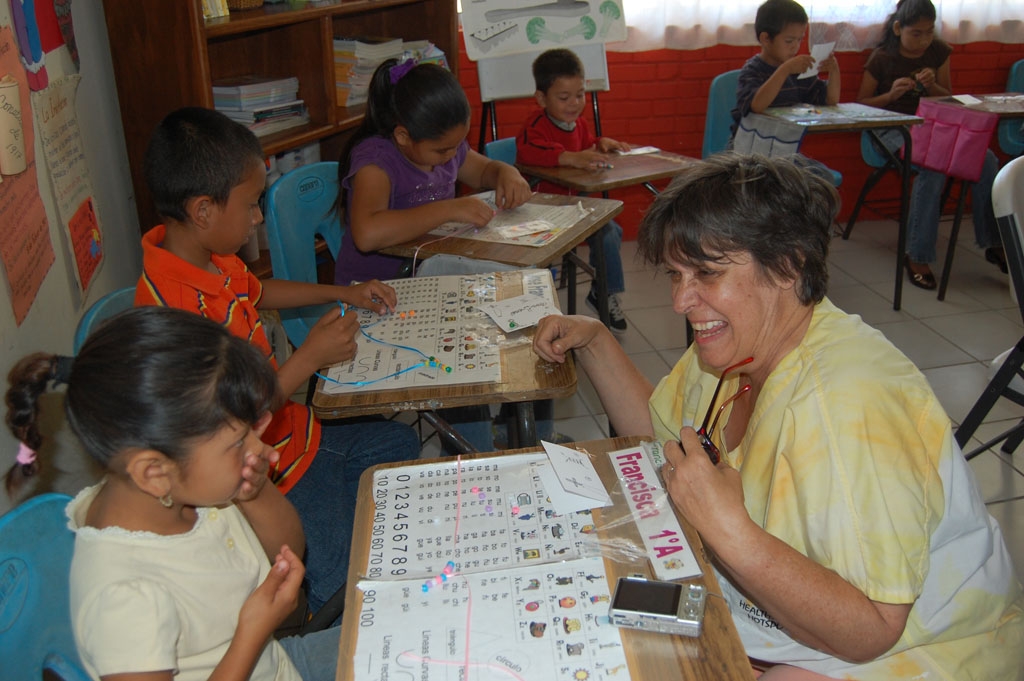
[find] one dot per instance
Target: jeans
(611, 238)
(315, 655)
(923, 219)
(325, 495)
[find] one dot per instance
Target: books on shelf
(264, 105)
(263, 113)
(248, 92)
(215, 8)
(355, 60)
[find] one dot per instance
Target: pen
(342, 306)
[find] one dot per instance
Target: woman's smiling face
(736, 310)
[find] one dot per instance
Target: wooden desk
(627, 171)
(716, 655)
(600, 212)
(525, 377)
(854, 117)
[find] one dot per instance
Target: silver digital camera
(665, 607)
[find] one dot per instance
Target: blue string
(429, 361)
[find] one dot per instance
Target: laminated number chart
(436, 336)
(472, 576)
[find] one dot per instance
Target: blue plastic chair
(104, 308)
(300, 205)
(35, 618)
(1010, 134)
(718, 119)
(503, 150)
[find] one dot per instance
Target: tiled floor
(952, 342)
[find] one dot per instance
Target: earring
(166, 500)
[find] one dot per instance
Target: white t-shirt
(849, 458)
(145, 602)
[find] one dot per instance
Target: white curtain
(853, 24)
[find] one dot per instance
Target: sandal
(925, 280)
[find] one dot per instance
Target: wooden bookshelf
(166, 55)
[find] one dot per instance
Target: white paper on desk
(524, 228)
(520, 312)
(820, 52)
(574, 484)
(635, 151)
(967, 100)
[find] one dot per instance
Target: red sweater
(540, 143)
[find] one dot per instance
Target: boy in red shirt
(557, 135)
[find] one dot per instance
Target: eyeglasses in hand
(705, 431)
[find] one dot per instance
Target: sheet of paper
(576, 474)
(557, 217)
(820, 52)
(529, 623)
(520, 312)
(562, 501)
(635, 151)
(967, 100)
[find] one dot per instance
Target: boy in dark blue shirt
(771, 77)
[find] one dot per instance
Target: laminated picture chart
(436, 336)
(498, 27)
(528, 225)
(474, 576)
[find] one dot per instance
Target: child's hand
(471, 210)
(829, 65)
(258, 459)
(588, 159)
(797, 64)
(332, 339)
(607, 145)
(511, 190)
(926, 77)
(901, 86)
(254, 473)
(273, 600)
(371, 295)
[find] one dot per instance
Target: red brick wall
(660, 97)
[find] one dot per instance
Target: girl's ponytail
(28, 380)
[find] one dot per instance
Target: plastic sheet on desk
(650, 509)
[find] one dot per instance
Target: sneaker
(618, 320)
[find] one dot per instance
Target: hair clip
(26, 455)
(398, 71)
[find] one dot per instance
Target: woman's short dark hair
(774, 209)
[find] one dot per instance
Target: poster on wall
(25, 248)
(496, 27)
(54, 109)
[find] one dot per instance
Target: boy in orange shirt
(206, 175)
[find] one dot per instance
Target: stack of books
(355, 60)
(264, 105)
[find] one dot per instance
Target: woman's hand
(558, 334)
(371, 295)
(511, 190)
(709, 496)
